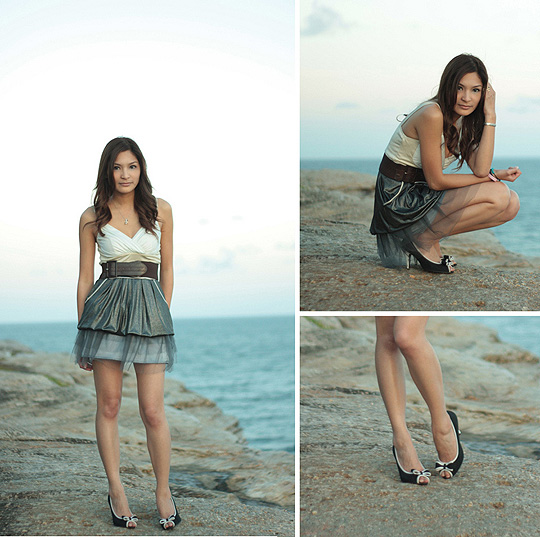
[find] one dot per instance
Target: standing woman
(124, 316)
(406, 336)
(416, 205)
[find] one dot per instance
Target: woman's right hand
(489, 105)
(510, 174)
(87, 367)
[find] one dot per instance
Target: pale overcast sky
(363, 63)
(207, 90)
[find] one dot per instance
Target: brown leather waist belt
(399, 172)
(136, 269)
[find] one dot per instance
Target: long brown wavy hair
(473, 124)
(145, 202)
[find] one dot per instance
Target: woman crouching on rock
(124, 316)
(406, 336)
(416, 205)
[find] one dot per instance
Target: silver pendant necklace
(126, 221)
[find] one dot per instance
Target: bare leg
(150, 387)
(491, 205)
(425, 370)
(474, 217)
(108, 383)
(389, 367)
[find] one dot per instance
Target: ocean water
(522, 330)
(245, 365)
(521, 235)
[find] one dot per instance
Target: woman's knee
(153, 416)
(108, 406)
(512, 208)
(387, 342)
(409, 342)
(500, 196)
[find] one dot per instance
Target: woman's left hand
(510, 174)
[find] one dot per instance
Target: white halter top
(117, 246)
(403, 149)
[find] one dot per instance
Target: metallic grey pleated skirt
(126, 320)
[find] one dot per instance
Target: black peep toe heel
(174, 518)
(124, 520)
(414, 475)
(450, 258)
(453, 466)
(444, 267)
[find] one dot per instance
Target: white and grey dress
(414, 212)
(126, 318)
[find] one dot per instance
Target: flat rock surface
(349, 484)
(53, 482)
(341, 271)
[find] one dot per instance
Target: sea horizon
(379, 157)
(213, 317)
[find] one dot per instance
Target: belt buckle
(111, 269)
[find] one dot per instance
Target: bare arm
(87, 242)
(166, 272)
(482, 157)
(480, 160)
(429, 127)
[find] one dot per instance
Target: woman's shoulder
(88, 221)
(163, 206)
(89, 215)
(164, 211)
(428, 118)
(430, 111)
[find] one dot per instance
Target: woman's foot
(445, 443)
(408, 458)
(165, 506)
(120, 506)
(426, 258)
(435, 255)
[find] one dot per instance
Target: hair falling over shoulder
(473, 125)
(145, 202)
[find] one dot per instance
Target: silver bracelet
(491, 124)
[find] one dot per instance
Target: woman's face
(468, 95)
(126, 171)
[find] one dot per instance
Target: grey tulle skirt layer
(413, 212)
(126, 320)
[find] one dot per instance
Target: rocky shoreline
(341, 271)
(53, 482)
(349, 485)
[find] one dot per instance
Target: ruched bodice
(117, 246)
